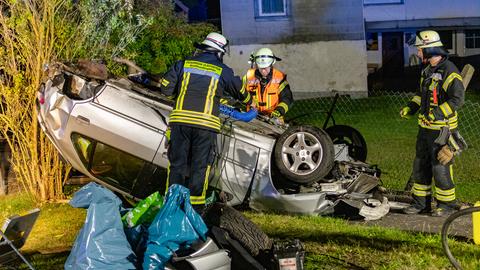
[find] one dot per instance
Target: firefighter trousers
(425, 167)
(190, 154)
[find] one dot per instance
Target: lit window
(472, 39)
(372, 41)
(269, 8)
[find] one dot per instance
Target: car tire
(304, 154)
(247, 233)
(357, 146)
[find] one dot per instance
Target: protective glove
(445, 155)
(405, 113)
(276, 114)
(242, 116)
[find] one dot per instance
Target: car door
(236, 162)
(115, 136)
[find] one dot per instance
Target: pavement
(460, 227)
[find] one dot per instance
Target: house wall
(423, 9)
(314, 68)
(413, 15)
(321, 42)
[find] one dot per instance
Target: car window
(153, 178)
(111, 165)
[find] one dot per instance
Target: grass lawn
(391, 140)
(330, 243)
(54, 232)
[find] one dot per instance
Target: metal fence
(390, 139)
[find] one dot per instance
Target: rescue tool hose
(446, 226)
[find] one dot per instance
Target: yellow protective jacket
(270, 94)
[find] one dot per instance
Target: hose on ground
(446, 226)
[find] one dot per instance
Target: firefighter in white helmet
(440, 95)
(267, 85)
(197, 84)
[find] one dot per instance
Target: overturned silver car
(113, 131)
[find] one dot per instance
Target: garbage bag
(144, 212)
(101, 243)
(177, 224)
(137, 237)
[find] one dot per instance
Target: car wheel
(238, 227)
(357, 147)
(304, 154)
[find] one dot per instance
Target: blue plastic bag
(177, 224)
(101, 243)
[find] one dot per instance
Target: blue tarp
(101, 243)
(177, 224)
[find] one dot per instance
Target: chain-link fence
(390, 139)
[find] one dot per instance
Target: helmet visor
(263, 61)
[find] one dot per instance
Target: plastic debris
(101, 243)
(177, 224)
(144, 212)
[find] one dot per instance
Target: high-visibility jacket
(197, 84)
(441, 93)
(273, 95)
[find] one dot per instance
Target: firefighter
(197, 84)
(440, 95)
(268, 86)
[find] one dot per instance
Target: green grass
(391, 140)
(473, 96)
(330, 243)
(337, 244)
(54, 231)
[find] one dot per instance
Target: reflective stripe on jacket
(441, 95)
(197, 84)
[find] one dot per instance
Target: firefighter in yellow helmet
(440, 95)
(267, 85)
(197, 84)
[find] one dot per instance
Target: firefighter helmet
(213, 42)
(430, 44)
(264, 58)
(428, 39)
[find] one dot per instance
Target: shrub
(167, 39)
(35, 33)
